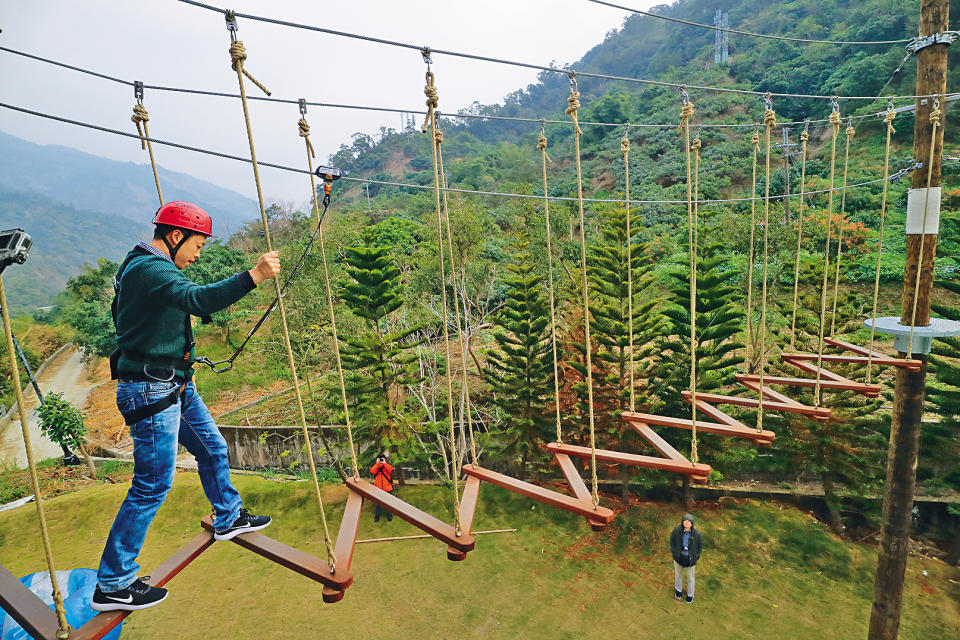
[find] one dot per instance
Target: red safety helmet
(184, 215)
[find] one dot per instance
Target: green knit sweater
(154, 306)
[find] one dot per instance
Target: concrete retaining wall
(276, 447)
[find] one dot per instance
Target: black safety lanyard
(218, 366)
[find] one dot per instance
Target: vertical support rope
(804, 137)
(751, 257)
(770, 120)
(625, 147)
(843, 209)
(305, 133)
(430, 91)
(573, 103)
(935, 121)
(141, 117)
(63, 629)
(835, 121)
(238, 55)
(544, 158)
(461, 327)
(686, 112)
(888, 120)
(694, 454)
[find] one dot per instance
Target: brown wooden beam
(735, 428)
(541, 494)
(868, 390)
(697, 472)
(885, 361)
(346, 539)
(853, 348)
(579, 487)
(825, 374)
(716, 398)
(658, 443)
(103, 623)
(293, 559)
(420, 519)
(468, 508)
(24, 606)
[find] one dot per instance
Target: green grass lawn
(767, 572)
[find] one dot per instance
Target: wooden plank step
(768, 393)
(420, 519)
(658, 443)
(849, 346)
(541, 494)
(737, 429)
(717, 398)
(579, 487)
(103, 623)
(468, 508)
(868, 390)
(884, 361)
(293, 559)
(346, 543)
(30, 612)
(697, 472)
(812, 370)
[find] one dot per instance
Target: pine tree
(940, 440)
(380, 359)
(520, 369)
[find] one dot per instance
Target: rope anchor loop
(138, 91)
(302, 102)
(232, 27)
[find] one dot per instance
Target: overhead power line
(746, 33)
(405, 185)
(527, 65)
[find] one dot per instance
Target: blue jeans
(155, 442)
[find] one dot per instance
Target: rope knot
(935, 116)
(140, 115)
(696, 145)
(888, 119)
(770, 118)
(438, 137)
(238, 55)
(573, 103)
(850, 131)
(686, 112)
(542, 145)
(835, 119)
(804, 136)
(625, 144)
(433, 100)
(755, 139)
(305, 134)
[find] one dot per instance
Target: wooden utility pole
(910, 385)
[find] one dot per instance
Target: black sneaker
(677, 595)
(689, 599)
(245, 523)
(138, 595)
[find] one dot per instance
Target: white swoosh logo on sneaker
(126, 600)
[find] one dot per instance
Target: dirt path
(66, 374)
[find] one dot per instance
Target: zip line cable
(527, 65)
(406, 185)
(746, 33)
(469, 116)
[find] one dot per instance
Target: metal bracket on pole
(944, 37)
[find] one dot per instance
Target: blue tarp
(77, 586)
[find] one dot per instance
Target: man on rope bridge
(157, 397)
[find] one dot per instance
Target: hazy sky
(164, 42)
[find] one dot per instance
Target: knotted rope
(574, 104)
(305, 134)
(804, 137)
(432, 102)
(625, 148)
(544, 158)
(887, 120)
(63, 628)
(770, 120)
(752, 256)
(843, 208)
(836, 121)
(935, 122)
(140, 118)
(693, 218)
(237, 57)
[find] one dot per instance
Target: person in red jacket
(383, 479)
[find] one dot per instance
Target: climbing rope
(140, 118)
(836, 121)
(843, 208)
(887, 120)
(751, 256)
(304, 128)
(461, 327)
(935, 122)
(63, 628)
(573, 105)
(431, 123)
(693, 194)
(544, 159)
(625, 148)
(804, 137)
(770, 120)
(238, 56)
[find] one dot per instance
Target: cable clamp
(232, 27)
(138, 91)
(543, 123)
(835, 103)
(303, 106)
(768, 100)
(427, 57)
(806, 126)
(684, 96)
(573, 80)
(944, 37)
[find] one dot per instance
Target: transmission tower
(721, 41)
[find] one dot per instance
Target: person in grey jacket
(685, 545)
